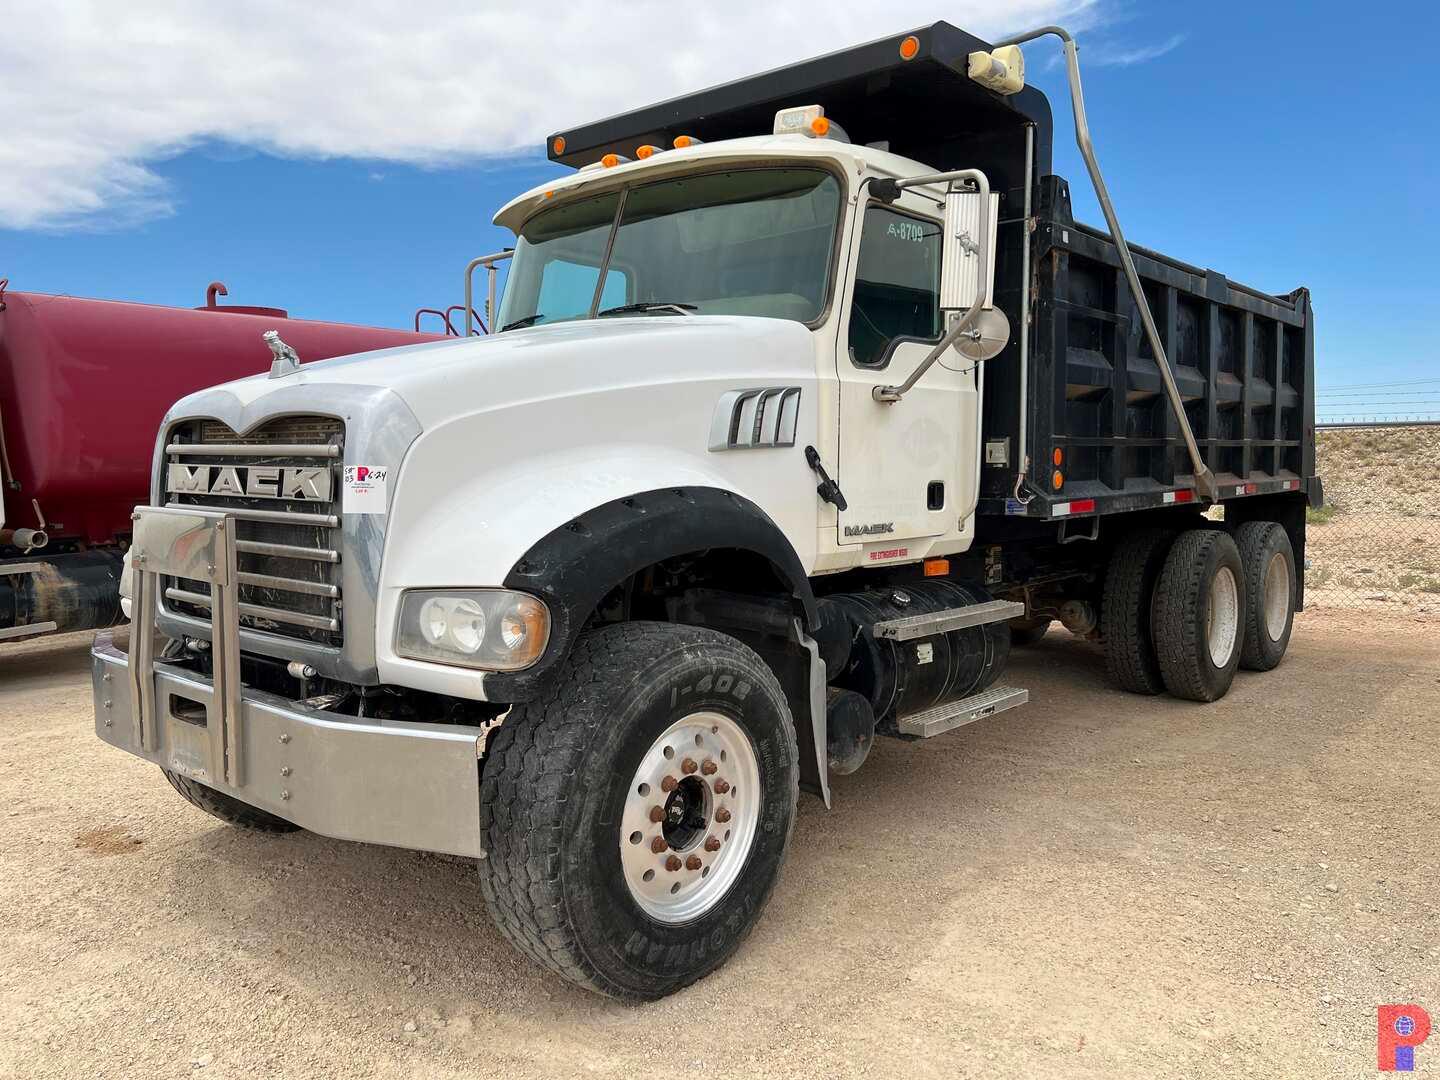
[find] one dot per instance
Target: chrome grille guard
(198, 545)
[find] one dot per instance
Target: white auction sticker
(365, 489)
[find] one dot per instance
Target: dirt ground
(1096, 885)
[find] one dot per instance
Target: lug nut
(710, 768)
(692, 863)
(657, 813)
(688, 766)
(712, 843)
(721, 786)
(658, 845)
(722, 815)
(672, 863)
(668, 784)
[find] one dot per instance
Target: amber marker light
(820, 126)
(937, 567)
(910, 48)
(682, 141)
(1057, 481)
(1058, 457)
(610, 160)
(645, 151)
(558, 145)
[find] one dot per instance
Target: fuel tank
(903, 677)
(84, 384)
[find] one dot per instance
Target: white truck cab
(777, 441)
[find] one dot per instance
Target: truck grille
(288, 548)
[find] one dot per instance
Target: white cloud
(94, 92)
(1125, 55)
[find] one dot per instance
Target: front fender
(472, 534)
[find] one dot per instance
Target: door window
(897, 284)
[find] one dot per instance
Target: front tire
(578, 874)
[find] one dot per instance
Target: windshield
(741, 242)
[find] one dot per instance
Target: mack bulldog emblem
(255, 481)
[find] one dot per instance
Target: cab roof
(770, 149)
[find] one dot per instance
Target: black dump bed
(1091, 390)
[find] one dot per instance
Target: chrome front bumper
(382, 782)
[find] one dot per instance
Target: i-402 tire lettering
(719, 685)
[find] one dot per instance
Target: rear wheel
(635, 817)
(1198, 615)
(1125, 604)
(228, 809)
(1025, 632)
(1269, 563)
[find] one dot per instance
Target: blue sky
(1273, 142)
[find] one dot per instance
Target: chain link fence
(1376, 542)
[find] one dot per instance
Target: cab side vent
(763, 416)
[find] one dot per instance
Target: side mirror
(960, 264)
(967, 277)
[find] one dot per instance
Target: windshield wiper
(648, 305)
(528, 320)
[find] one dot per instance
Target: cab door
(906, 469)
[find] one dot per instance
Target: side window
(566, 289)
(897, 283)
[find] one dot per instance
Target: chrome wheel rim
(1224, 616)
(1277, 596)
(690, 817)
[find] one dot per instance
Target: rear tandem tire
(1269, 563)
(1198, 615)
(1125, 605)
(1026, 632)
(570, 781)
(227, 808)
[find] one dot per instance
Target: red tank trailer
(83, 387)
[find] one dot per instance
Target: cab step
(940, 622)
(942, 718)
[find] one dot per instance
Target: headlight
(488, 629)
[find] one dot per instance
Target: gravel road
(1097, 885)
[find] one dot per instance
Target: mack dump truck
(807, 400)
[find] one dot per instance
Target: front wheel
(636, 816)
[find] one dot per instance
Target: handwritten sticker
(365, 489)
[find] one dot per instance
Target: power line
(1376, 393)
(1376, 386)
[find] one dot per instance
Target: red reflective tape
(1082, 506)
(1185, 496)
(1250, 489)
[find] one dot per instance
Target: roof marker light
(609, 161)
(801, 121)
(808, 120)
(682, 141)
(558, 145)
(643, 152)
(910, 48)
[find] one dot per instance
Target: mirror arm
(490, 263)
(888, 395)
